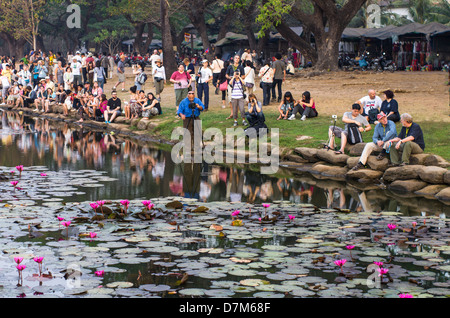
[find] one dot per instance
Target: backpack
(373, 112)
(142, 78)
(353, 134)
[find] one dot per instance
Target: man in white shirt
(154, 57)
(5, 87)
(76, 71)
(370, 106)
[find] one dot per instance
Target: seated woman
(29, 96)
(286, 106)
(254, 115)
(99, 113)
(152, 107)
(67, 105)
(97, 91)
(389, 106)
(50, 97)
(131, 109)
(89, 109)
(306, 107)
(60, 94)
(40, 99)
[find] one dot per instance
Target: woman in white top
(24, 76)
(204, 76)
(68, 78)
(159, 78)
(249, 77)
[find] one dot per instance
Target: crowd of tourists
(76, 81)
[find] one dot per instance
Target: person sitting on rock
(353, 117)
(385, 130)
(409, 141)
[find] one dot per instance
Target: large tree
(325, 19)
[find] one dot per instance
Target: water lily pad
(120, 285)
(192, 292)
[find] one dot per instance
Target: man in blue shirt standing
(189, 110)
(385, 130)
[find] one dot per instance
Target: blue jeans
(266, 93)
(203, 88)
(138, 86)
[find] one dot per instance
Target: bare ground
(425, 95)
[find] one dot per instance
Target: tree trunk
(170, 64)
(138, 40)
(197, 17)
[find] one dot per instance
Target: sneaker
(292, 117)
(36, 110)
(303, 117)
(358, 166)
(244, 123)
(235, 123)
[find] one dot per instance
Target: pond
(210, 231)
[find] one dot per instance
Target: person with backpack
(204, 76)
(159, 78)
(140, 77)
(355, 125)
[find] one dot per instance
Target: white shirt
(206, 73)
(368, 103)
(154, 58)
(5, 81)
(159, 72)
(249, 75)
(217, 65)
(76, 68)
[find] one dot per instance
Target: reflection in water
(146, 172)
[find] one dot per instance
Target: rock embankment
(427, 175)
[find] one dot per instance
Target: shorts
(121, 77)
(150, 112)
(337, 131)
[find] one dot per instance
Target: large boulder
(332, 157)
(431, 190)
(356, 150)
(402, 173)
(418, 159)
(143, 123)
(380, 165)
(412, 185)
(435, 160)
(447, 177)
(444, 195)
(432, 174)
(365, 174)
(329, 171)
(309, 154)
(352, 161)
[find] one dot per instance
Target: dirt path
(424, 95)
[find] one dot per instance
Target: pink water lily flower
(414, 224)
(405, 295)
(60, 218)
(350, 247)
(94, 205)
(92, 234)
(291, 217)
(21, 267)
(43, 174)
(266, 205)
(18, 259)
(14, 183)
(19, 168)
(378, 263)
(125, 203)
(38, 259)
(100, 273)
(391, 226)
(235, 213)
(66, 224)
(340, 262)
(101, 203)
(382, 271)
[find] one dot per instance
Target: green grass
(436, 134)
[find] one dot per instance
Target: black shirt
(113, 104)
(231, 69)
(415, 131)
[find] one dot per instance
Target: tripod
(331, 136)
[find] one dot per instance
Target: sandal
(338, 152)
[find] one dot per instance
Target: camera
(192, 105)
(334, 116)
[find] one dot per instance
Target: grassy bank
(308, 133)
